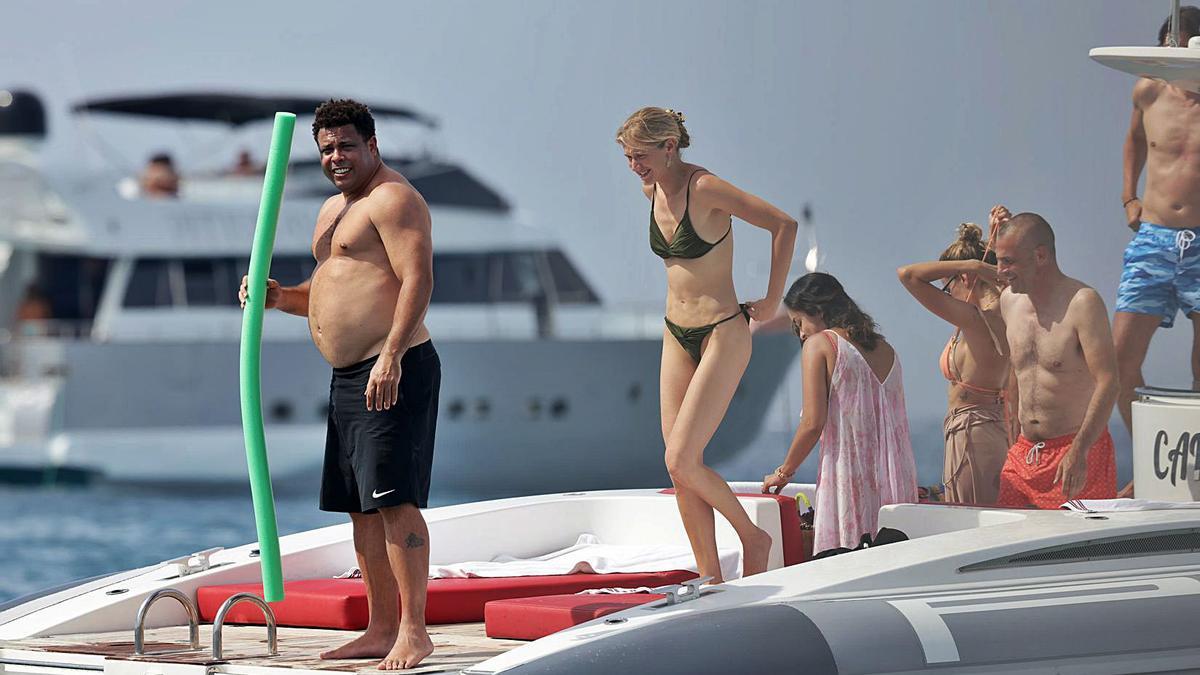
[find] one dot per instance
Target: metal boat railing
(139, 626)
(219, 622)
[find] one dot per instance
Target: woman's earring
(668, 161)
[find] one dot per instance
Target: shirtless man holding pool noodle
(366, 305)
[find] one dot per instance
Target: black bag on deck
(886, 535)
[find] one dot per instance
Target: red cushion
(533, 618)
(311, 603)
(789, 522)
(342, 603)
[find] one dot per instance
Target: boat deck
(244, 650)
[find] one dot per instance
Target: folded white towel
(1112, 505)
(589, 556)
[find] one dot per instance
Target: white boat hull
(515, 416)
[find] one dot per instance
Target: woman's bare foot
(755, 553)
(369, 645)
(412, 646)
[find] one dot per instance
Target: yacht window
(231, 270)
(569, 285)
(291, 270)
(519, 279)
(150, 284)
(438, 183)
(68, 287)
(460, 278)
(207, 282)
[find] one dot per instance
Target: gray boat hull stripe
(773, 638)
(926, 615)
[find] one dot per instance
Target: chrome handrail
(1173, 31)
(139, 627)
(219, 622)
(1148, 391)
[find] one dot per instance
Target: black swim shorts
(380, 458)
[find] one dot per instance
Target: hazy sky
(896, 120)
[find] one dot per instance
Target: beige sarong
(976, 447)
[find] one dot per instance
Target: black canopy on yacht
(232, 109)
(439, 182)
(22, 114)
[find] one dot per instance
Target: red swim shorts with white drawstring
(1028, 475)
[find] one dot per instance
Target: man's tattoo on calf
(413, 541)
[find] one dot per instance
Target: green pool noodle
(251, 376)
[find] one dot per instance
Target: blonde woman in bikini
(975, 362)
(706, 340)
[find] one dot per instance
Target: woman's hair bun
(970, 233)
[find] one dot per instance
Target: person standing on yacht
(1161, 265)
(854, 406)
(366, 305)
(706, 342)
(974, 362)
(1063, 357)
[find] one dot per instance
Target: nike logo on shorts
(377, 494)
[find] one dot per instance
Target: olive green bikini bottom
(691, 339)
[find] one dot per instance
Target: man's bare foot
(369, 645)
(755, 553)
(412, 646)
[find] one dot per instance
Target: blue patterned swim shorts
(1162, 273)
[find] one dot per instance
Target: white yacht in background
(125, 363)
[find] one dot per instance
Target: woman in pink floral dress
(853, 405)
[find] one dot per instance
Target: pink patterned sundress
(866, 456)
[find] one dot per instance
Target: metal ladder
(139, 626)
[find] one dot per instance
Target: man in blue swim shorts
(1162, 263)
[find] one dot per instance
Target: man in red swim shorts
(1062, 354)
(1031, 472)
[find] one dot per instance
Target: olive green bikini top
(685, 243)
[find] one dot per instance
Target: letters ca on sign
(1171, 461)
